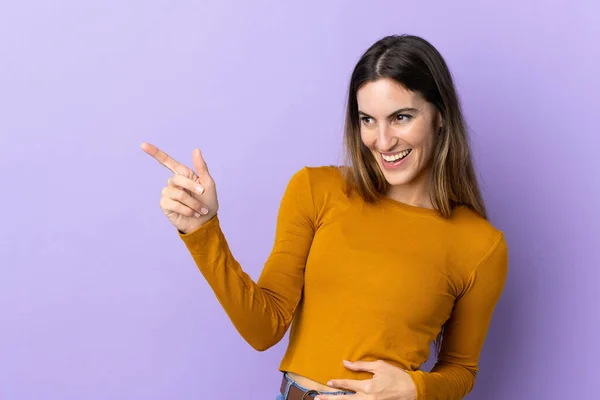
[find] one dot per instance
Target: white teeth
(396, 157)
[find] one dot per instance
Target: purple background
(98, 296)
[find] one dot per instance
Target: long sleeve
(262, 311)
(453, 376)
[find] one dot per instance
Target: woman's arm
(263, 311)
(453, 376)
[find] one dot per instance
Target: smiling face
(400, 128)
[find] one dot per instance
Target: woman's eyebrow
(401, 110)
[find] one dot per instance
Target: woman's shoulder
(326, 184)
(321, 178)
(476, 232)
(325, 174)
(466, 217)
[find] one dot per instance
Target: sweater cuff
(196, 240)
(417, 378)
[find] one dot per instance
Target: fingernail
(199, 189)
(204, 211)
(196, 215)
(329, 383)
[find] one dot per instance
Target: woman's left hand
(388, 383)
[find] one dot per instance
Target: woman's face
(400, 128)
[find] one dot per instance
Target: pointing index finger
(164, 159)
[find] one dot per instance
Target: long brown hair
(414, 63)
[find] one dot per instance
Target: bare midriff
(310, 384)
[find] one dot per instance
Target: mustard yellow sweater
(363, 281)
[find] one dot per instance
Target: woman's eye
(403, 117)
(367, 120)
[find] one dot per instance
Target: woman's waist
(313, 369)
(297, 387)
(326, 350)
(308, 383)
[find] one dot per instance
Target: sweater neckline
(408, 207)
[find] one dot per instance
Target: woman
(373, 261)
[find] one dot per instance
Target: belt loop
(287, 386)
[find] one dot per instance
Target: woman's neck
(415, 193)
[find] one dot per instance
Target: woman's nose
(385, 139)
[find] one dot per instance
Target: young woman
(372, 261)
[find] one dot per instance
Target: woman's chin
(397, 177)
(404, 176)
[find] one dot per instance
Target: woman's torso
(380, 281)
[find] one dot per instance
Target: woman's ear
(439, 123)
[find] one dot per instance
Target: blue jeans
(291, 382)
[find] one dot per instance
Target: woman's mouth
(396, 159)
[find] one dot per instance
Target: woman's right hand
(189, 199)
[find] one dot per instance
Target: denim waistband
(291, 382)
